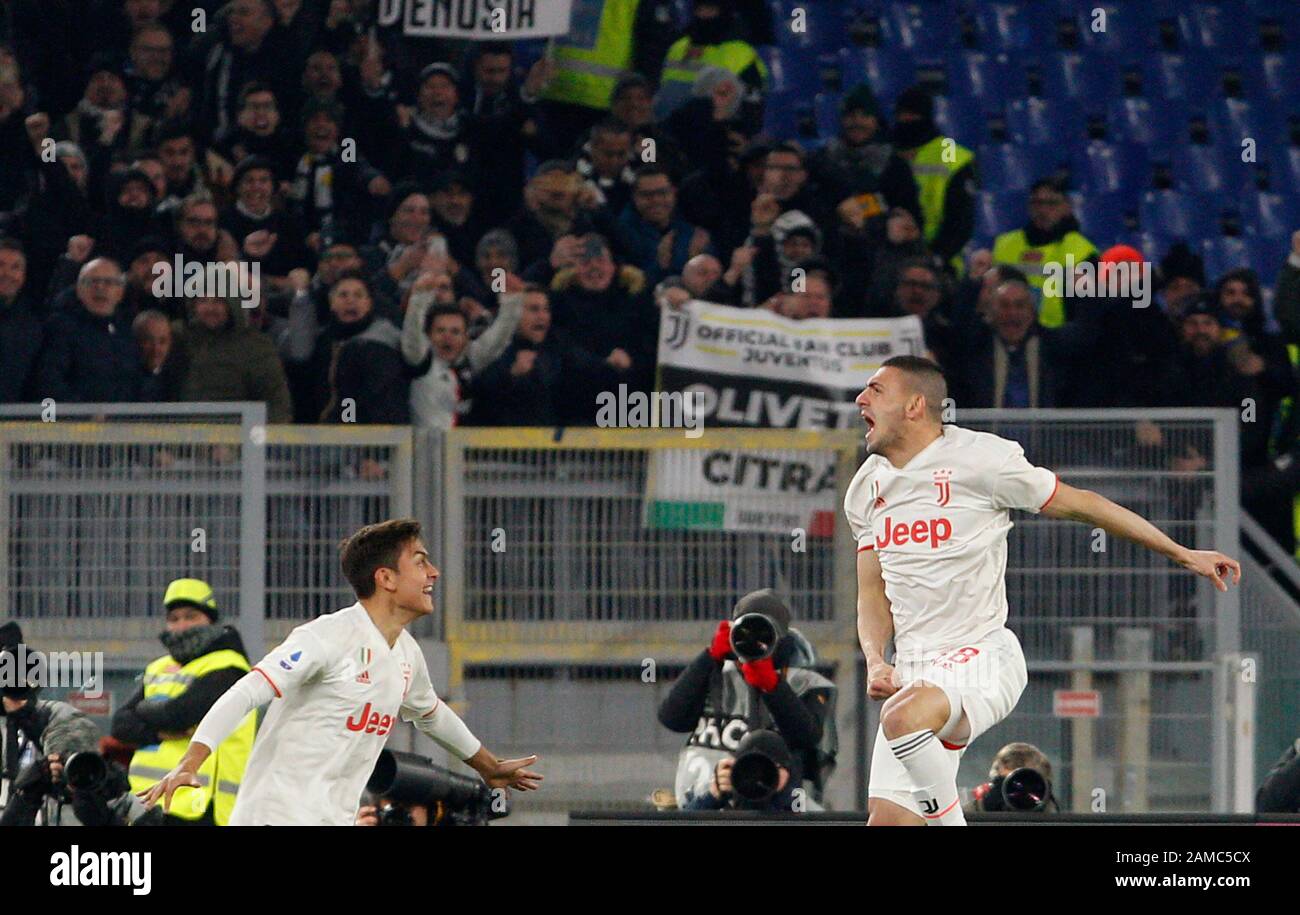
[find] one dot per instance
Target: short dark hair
(610, 127)
(375, 547)
(9, 243)
(929, 378)
(651, 171)
(256, 87)
(440, 311)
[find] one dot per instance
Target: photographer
(1020, 779)
(756, 674)
(51, 763)
(406, 789)
(758, 777)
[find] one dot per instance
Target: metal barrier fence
(97, 516)
(581, 568)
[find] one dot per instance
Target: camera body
(1024, 790)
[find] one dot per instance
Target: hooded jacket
(233, 362)
(619, 317)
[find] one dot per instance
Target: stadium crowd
(452, 233)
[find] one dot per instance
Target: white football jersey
(339, 691)
(939, 526)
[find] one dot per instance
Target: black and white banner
(478, 20)
(750, 367)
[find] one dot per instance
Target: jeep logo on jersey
(371, 722)
(934, 530)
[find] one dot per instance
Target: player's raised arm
(875, 625)
(1092, 508)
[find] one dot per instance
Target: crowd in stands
(439, 240)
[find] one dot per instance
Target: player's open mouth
(429, 590)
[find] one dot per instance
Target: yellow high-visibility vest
(222, 772)
(1014, 248)
(932, 172)
(596, 53)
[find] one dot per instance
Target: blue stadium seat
(1286, 168)
(1233, 119)
(888, 71)
(1044, 122)
(791, 71)
(1178, 214)
(961, 119)
(1100, 167)
(1006, 26)
(826, 112)
(1088, 79)
(1155, 124)
(783, 113)
(997, 212)
(1206, 170)
(1192, 74)
(1153, 245)
(1274, 76)
(928, 26)
(1102, 217)
(1223, 253)
(1267, 214)
(990, 78)
(1128, 27)
(1012, 166)
(1221, 25)
(825, 26)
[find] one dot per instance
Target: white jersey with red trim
(939, 526)
(339, 691)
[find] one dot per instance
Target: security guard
(203, 660)
(607, 41)
(1051, 237)
(944, 172)
(710, 41)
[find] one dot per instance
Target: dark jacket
(88, 359)
(138, 722)
(361, 361)
(564, 379)
(1279, 792)
(621, 317)
(974, 363)
(20, 345)
(234, 362)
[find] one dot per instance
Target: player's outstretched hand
(176, 778)
(1213, 565)
(881, 682)
(510, 773)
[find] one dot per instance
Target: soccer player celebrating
(929, 509)
(337, 686)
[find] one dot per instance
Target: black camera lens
(1025, 789)
(754, 636)
(755, 777)
(84, 771)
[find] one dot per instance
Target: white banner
(771, 491)
(750, 367)
(478, 20)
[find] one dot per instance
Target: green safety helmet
(192, 591)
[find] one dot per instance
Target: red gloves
(760, 674)
(720, 647)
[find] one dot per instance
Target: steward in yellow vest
(203, 660)
(711, 41)
(944, 172)
(1051, 236)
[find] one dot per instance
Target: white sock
(930, 766)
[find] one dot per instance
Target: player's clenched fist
(881, 681)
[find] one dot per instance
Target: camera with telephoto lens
(407, 779)
(1025, 790)
(754, 636)
(756, 772)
